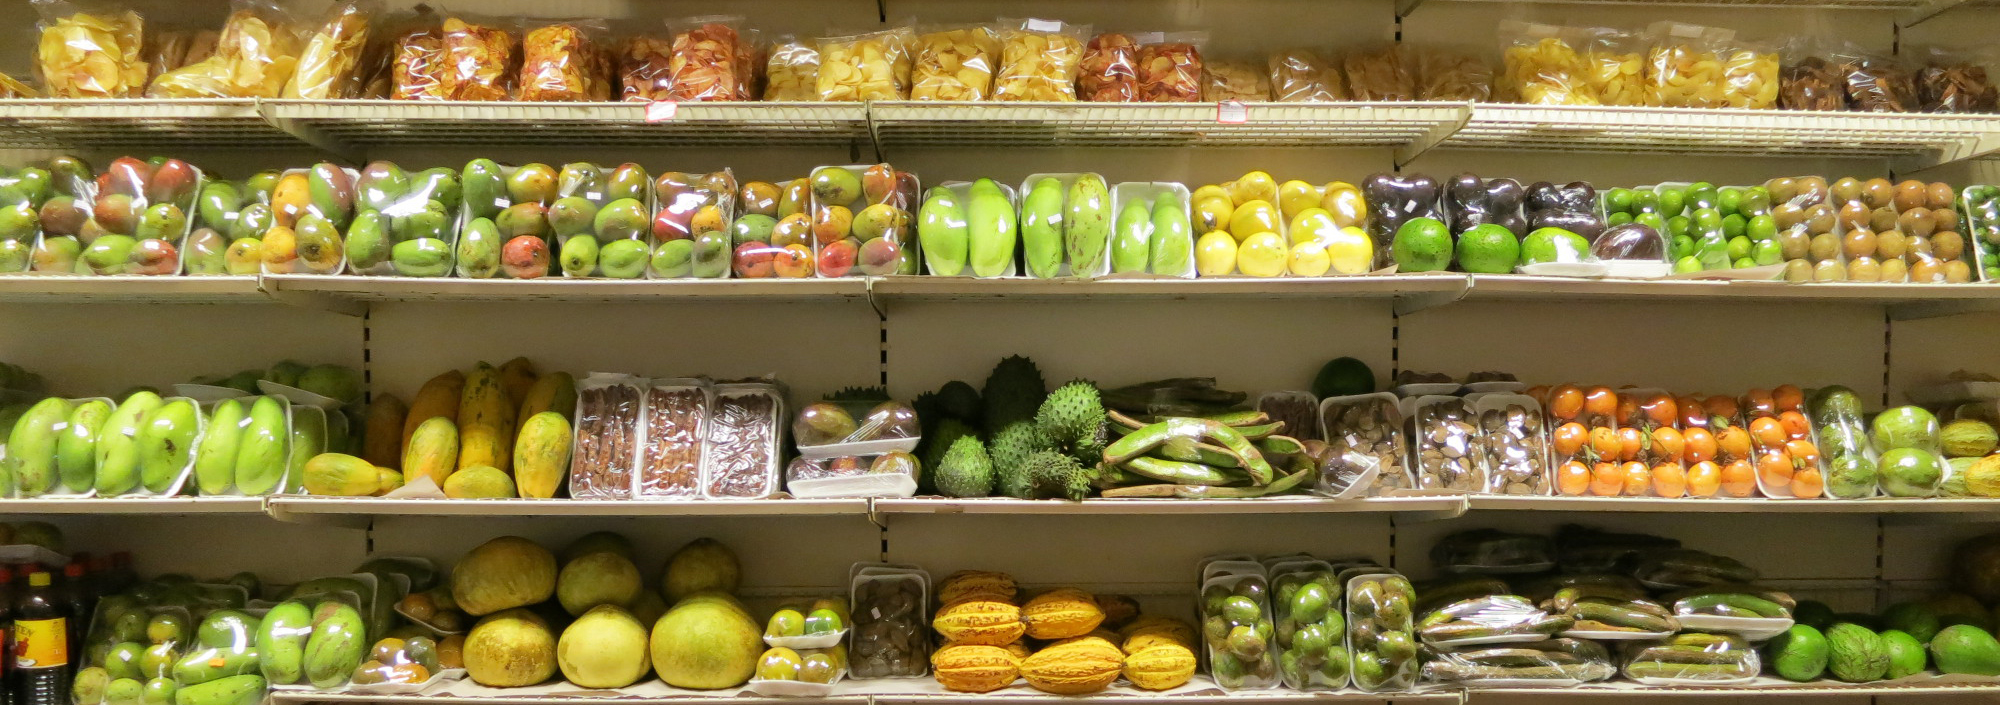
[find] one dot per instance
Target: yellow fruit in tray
(1210, 191)
(1295, 196)
(1352, 251)
(1312, 225)
(1309, 259)
(1213, 213)
(1254, 186)
(1252, 218)
(1262, 255)
(1215, 254)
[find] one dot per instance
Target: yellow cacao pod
(1061, 613)
(967, 585)
(1161, 667)
(1149, 631)
(981, 622)
(975, 668)
(1118, 610)
(1020, 650)
(1074, 667)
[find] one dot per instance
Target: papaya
(118, 444)
(1042, 228)
(480, 482)
(517, 376)
(1087, 224)
(555, 391)
(261, 452)
(541, 455)
(308, 441)
(76, 450)
(337, 644)
(1173, 237)
(433, 451)
(1130, 246)
(31, 446)
(338, 475)
(438, 397)
(485, 421)
(215, 459)
(990, 217)
(382, 436)
(387, 480)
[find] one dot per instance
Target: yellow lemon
(1208, 192)
(1312, 225)
(1254, 186)
(1310, 259)
(1352, 251)
(1213, 213)
(1215, 254)
(1262, 255)
(1295, 196)
(1252, 218)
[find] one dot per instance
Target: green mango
(261, 184)
(485, 188)
(308, 439)
(571, 215)
(1130, 250)
(382, 184)
(438, 184)
(166, 443)
(260, 461)
(1042, 228)
(478, 250)
(319, 245)
(19, 222)
(431, 221)
(523, 219)
(72, 176)
(1087, 224)
(118, 444)
(623, 259)
(627, 181)
(227, 629)
(532, 183)
(31, 186)
(207, 664)
(579, 256)
(15, 255)
(285, 372)
(368, 241)
(218, 205)
(252, 222)
(942, 232)
(206, 252)
(1173, 237)
(332, 193)
(161, 221)
(32, 444)
(623, 219)
(233, 690)
(989, 217)
(215, 459)
(281, 642)
(336, 646)
(581, 179)
(422, 257)
(76, 451)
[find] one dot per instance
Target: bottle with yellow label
(41, 644)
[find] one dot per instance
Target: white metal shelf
(1436, 506)
(370, 123)
(54, 289)
(1928, 508)
(915, 123)
(358, 509)
(381, 289)
(136, 124)
(133, 505)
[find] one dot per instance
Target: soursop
(937, 441)
(965, 470)
(1014, 391)
(1010, 449)
(960, 401)
(1073, 420)
(1055, 474)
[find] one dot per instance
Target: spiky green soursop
(1010, 449)
(1073, 420)
(1014, 391)
(960, 401)
(938, 440)
(1055, 474)
(965, 470)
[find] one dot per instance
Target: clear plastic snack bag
(862, 67)
(955, 63)
(1039, 60)
(90, 50)
(1170, 68)
(1684, 65)
(1443, 74)
(1302, 76)
(1236, 80)
(330, 64)
(1110, 70)
(706, 57)
(255, 55)
(1540, 65)
(1381, 74)
(560, 63)
(750, 65)
(1692, 658)
(165, 50)
(791, 71)
(1953, 83)
(478, 60)
(1549, 663)
(1614, 66)
(417, 60)
(642, 65)
(1878, 84)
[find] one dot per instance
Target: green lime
(1679, 226)
(1767, 252)
(1646, 201)
(1672, 202)
(1756, 201)
(1682, 247)
(1618, 200)
(1762, 227)
(1739, 247)
(1422, 245)
(1616, 219)
(1489, 249)
(1687, 264)
(1730, 199)
(1701, 194)
(1713, 252)
(1707, 220)
(1553, 245)
(1743, 263)
(1734, 225)
(1651, 220)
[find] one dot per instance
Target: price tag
(1232, 112)
(1041, 25)
(661, 110)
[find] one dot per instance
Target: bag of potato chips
(90, 49)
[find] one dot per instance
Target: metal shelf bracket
(315, 300)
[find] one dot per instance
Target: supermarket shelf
(1944, 686)
(1926, 508)
(335, 290)
(1210, 696)
(369, 123)
(1437, 507)
(1903, 301)
(303, 697)
(1912, 140)
(123, 124)
(134, 505)
(914, 123)
(129, 289)
(358, 510)
(961, 288)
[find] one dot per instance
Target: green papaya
(31, 446)
(1042, 228)
(76, 451)
(1173, 237)
(989, 218)
(118, 444)
(259, 465)
(308, 440)
(1087, 224)
(485, 188)
(215, 459)
(336, 646)
(281, 642)
(942, 232)
(234, 690)
(1130, 250)
(166, 443)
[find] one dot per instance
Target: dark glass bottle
(76, 591)
(8, 686)
(41, 644)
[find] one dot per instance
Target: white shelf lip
(1384, 286)
(560, 288)
(1920, 139)
(1760, 505)
(63, 288)
(313, 696)
(133, 505)
(297, 505)
(1291, 504)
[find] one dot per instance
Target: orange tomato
(1573, 478)
(1767, 432)
(1604, 443)
(1732, 443)
(1630, 441)
(1692, 415)
(1759, 402)
(1774, 467)
(1804, 452)
(1600, 402)
(1628, 409)
(1565, 402)
(1569, 439)
(1807, 484)
(1704, 479)
(1638, 480)
(1669, 480)
(1789, 397)
(1796, 426)
(1606, 480)
(1721, 406)
(1540, 393)
(1738, 479)
(1700, 445)
(1661, 409)
(1668, 443)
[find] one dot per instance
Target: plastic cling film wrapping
(406, 222)
(1151, 232)
(1238, 632)
(695, 231)
(1489, 619)
(1110, 71)
(1381, 632)
(1445, 450)
(1171, 67)
(891, 632)
(479, 59)
(861, 220)
(791, 72)
(1549, 663)
(972, 229)
(139, 211)
(955, 63)
(564, 62)
(1369, 425)
(1306, 607)
(871, 66)
(311, 210)
(610, 421)
(887, 475)
(1541, 65)
(740, 457)
(1039, 60)
(1302, 76)
(676, 425)
(1692, 658)
(1514, 445)
(329, 65)
(90, 50)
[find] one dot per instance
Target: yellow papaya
(555, 391)
(485, 421)
(541, 455)
(438, 397)
(382, 437)
(479, 482)
(517, 376)
(433, 452)
(340, 475)
(387, 480)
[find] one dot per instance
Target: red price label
(1231, 112)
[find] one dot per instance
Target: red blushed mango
(126, 175)
(880, 256)
(173, 182)
(832, 224)
(525, 257)
(673, 222)
(838, 257)
(793, 262)
(754, 261)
